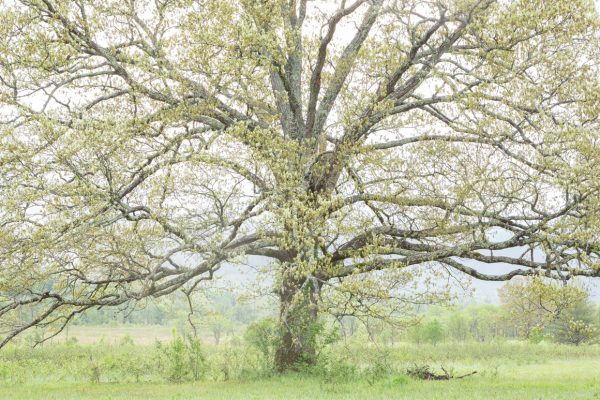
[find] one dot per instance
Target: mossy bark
(298, 324)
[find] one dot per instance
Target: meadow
(126, 366)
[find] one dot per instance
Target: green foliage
(235, 361)
(576, 332)
(126, 341)
(334, 369)
(337, 367)
(183, 359)
(264, 335)
(457, 326)
(536, 335)
(377, 370)
(94, 369)
(577, 324)
(196, 357)
(176, 366)
(324, 335)
(433, 332)
(428, 332)
(533, 304)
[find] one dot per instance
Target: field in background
(142, 335)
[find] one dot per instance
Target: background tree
(457, 327)
(530, 305)
(485, 323)
(217, 324)
(360, 146)
(577, 324)
(428, 332)
(576, 331)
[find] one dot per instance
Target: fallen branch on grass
(424, 372)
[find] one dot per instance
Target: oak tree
(355, 144)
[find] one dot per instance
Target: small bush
(334, 369)
(181, 359)
(126, 341)
(264, 336)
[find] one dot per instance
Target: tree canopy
(144, 143)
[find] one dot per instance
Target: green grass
(506, 370)
(570, 379)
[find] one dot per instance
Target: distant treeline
(530, 310)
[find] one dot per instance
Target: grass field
(570, 379)
(142, 335)
(505, 370)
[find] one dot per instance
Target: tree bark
(298, 322)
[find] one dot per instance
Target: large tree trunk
(298, 319)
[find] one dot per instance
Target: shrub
(264, 336)
(196, 357)
(536, 335)
(126, 341)
(334, 369)
(181, 359)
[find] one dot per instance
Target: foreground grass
(575, 379)
(505, 371)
